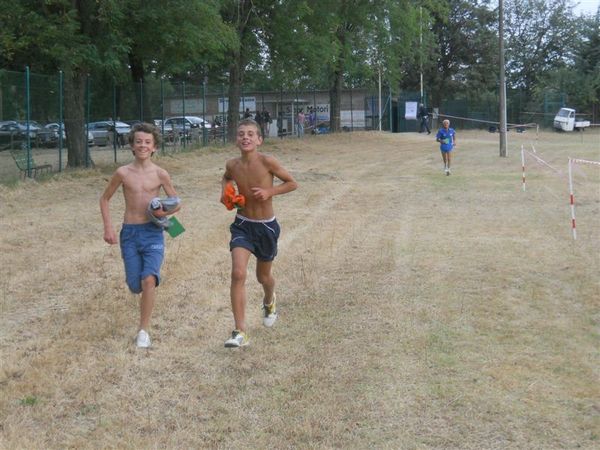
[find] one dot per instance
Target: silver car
(104, 131)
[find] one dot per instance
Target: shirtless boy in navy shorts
(142, 242)
(255, 229)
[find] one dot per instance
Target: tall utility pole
(379, 99)
(502, 81)
(421, 49)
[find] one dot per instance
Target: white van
(565, 120)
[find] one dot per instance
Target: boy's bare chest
(255, 174)
(142, 183)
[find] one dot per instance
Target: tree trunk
(335, 90)
(335, 100)
(75, 84)
(236, 78)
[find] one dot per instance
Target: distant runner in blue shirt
(446, 136)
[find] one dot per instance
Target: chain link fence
(194, 115)
(189, 116)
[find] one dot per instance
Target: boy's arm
(109, 233)
(224, 180)
(169, 189)
(288, 183)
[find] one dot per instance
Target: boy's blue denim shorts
(143, 251)
(257, 236)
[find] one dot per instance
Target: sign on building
(193, 106)
(411, 111)
(245, 103)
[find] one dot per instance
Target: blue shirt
(446, 138)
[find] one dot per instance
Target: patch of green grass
(11, 182)
(29, 400)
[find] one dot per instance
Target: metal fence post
(204, 140)
(114, 114)
(162, 114)
(142, 100)
(183, 112)
(391, 115)
(87, 121)
(28, 117)
(243, 102)
(60, 119)
(223, 119)
(351, 111)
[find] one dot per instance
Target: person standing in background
(424, 116)
(300, 119)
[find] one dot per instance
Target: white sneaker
(142, 339)
(238, 339)
(448, 171)
(270, 313)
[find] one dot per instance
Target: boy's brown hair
(145, 127)
(251, 122)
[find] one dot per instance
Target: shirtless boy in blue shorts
(142, 242)
(255, 229)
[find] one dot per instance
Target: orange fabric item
(232, 199)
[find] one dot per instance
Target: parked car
(133, 122)
(103, 131)
(41, 137)
(190, 125)
(12, 135)
(189, 122)
(56, 126)
(321, 128)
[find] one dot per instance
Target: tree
(341, 43)
(247, 20)
(539, 38)
(178, 39)
(76, 37)
(579, 79)
(379, 30)
(466, 49)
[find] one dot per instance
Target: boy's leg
(239, 266)
(147, 301)
(265, 278)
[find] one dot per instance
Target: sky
(586, 6)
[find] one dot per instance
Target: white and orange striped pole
(523, 165)
(572, 196)
(572, 200)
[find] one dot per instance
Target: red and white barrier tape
(571, 194)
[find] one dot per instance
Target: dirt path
(416, 310)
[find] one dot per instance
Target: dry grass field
(417, 311)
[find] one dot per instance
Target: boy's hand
(160, 213)
(110, 237)
(261, 194)
(231, 199)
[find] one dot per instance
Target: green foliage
(58, 36)
(178, 37)
(466, 38)
(306, 44)
(30, 400)
(539, 37)
(564, 59)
